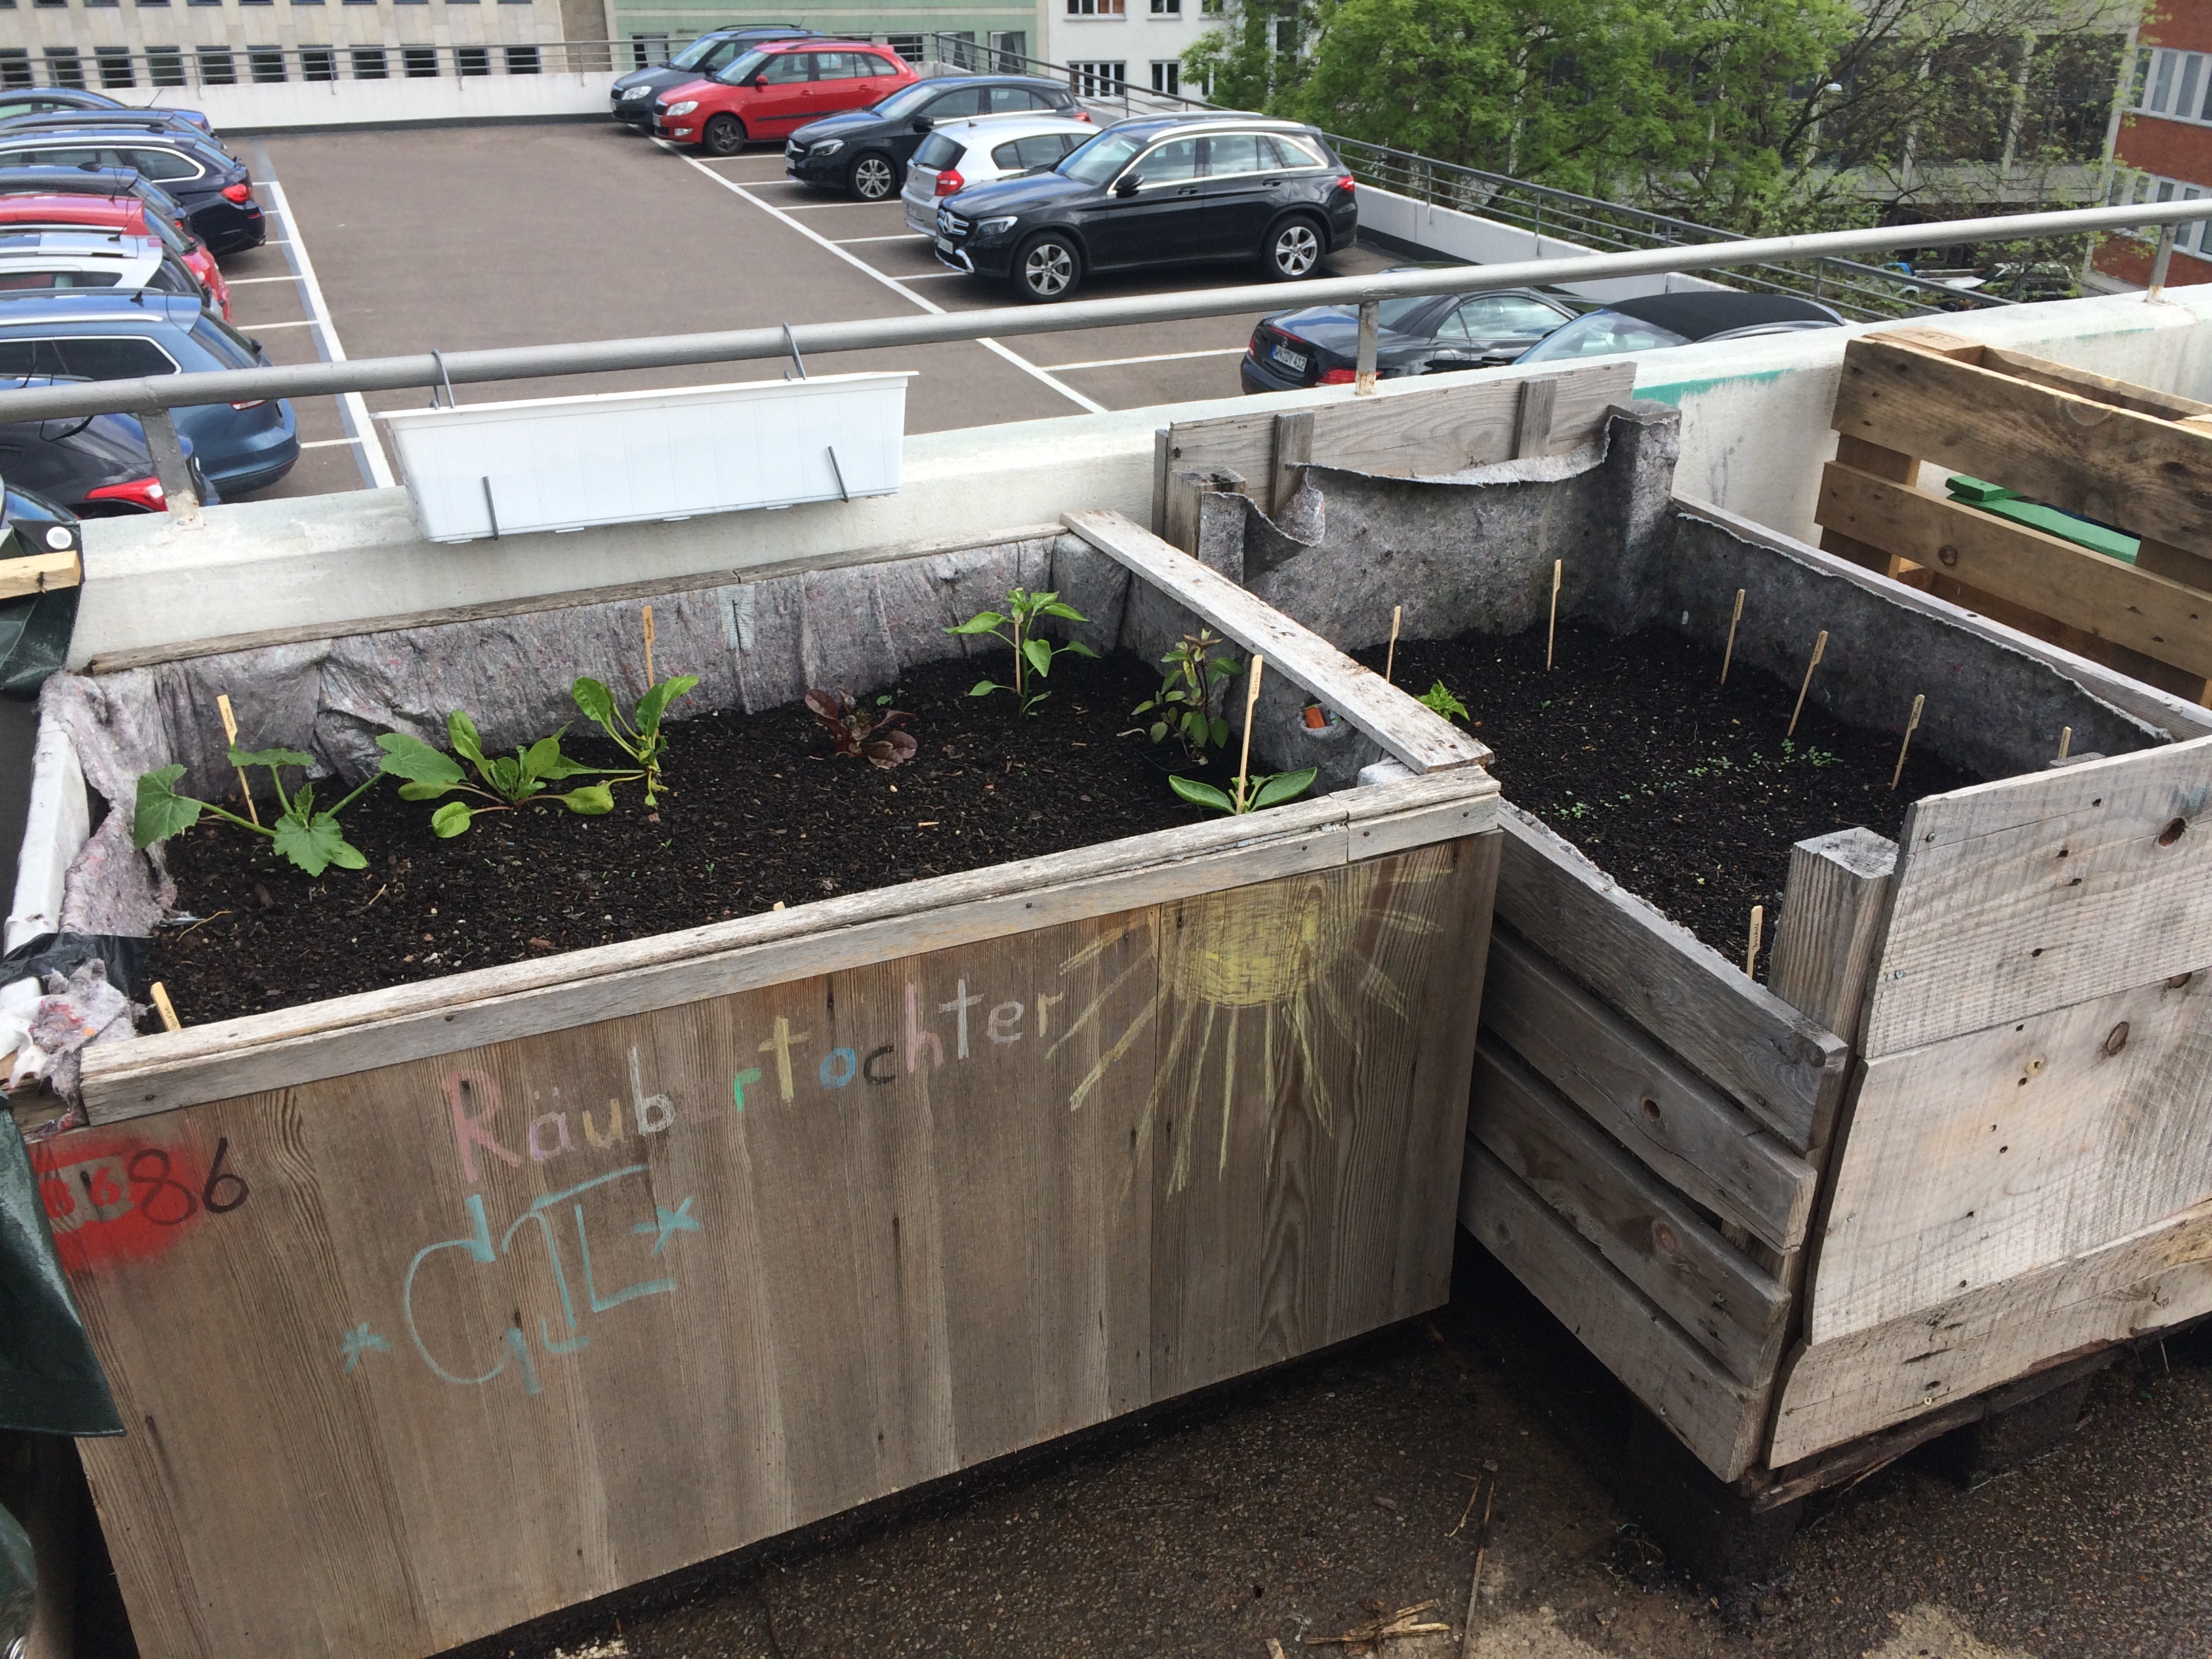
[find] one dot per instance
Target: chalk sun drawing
(1289, 959)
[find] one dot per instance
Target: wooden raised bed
(433, 1309)
(1961, 1135)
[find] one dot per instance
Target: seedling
(1251, 794)
(862, 733)
(640, 737)
(1033, 656)
(1185, 705)
(504, 781)
(309, 839)
(1439, 700)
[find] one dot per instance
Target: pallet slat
(39, 573)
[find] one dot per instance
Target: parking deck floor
(454, 238)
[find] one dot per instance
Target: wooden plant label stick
(1911, 722)
(2065, 740)
(1818, 646)
(648, 648)
(1751, 956)
(230, 730)
(1551, 635)
(1244, 755)
(1728, 655)
(1390, 662)
(166, 1009)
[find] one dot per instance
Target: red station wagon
(777, 86)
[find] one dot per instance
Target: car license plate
(944, 245)
(1295, 360)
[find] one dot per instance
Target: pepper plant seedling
(1438, 699)
(863, 734)
(1017, 627)
(503, 780)
(638, 736)
(1187, 693)
(309, 839)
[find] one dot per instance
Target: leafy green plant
(309, 839)
(1251, 795)
(1017, 627)
(640, 736)
(1185, 704)
(860, 734)
(505, 780)
(1439, 699)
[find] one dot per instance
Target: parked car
(45, 100)
(981, 151)
(1158, 191)
(214, 188)
(93, 466)
(1659, 321)
(631, 97)
(774, 88)
(106, 120)
(36, 258)
(97, 337)
(865, 152)
(1429, 334)
(122, 213)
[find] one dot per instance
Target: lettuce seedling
(860, 734)
(1032, 655)
(1251, 795)
(640, 737)
(309, 839)
(505, 780)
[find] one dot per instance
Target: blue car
(106, 335)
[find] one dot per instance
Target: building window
(1097, 80)
(2129, 188)
(2176, 85)
(318, 63)
(471, 60)
(648, 50)
(63, 67)
(1096, 8)
(1009, 51)
(1286, 36)
(265, 63)
(153, 2)
(1209, 8)
(15, 67)
(114, 64)
(369, 63)
(217, 67)
(420, 63)
(165, 66)
(909, 47)
(1167, 8)
(1167, 75)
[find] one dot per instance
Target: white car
(37, 260)
(958, 154)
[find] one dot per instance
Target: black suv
(631, 97)
(864, 152)
(1162, 191)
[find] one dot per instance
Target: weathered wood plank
(1784, 1068)
(1879, 463)
(1836, 1391)
(2113, 465)
(2038, 892)
(1694, 1138)
(1294, 435)
(1734, 1309)
(1423, 740)
(1835, 908)
(2008, 1149)
(2101, 388)
(1708, 1410)
(1184, 489)
(2123, 604)
(37, 572)
(1533, 420)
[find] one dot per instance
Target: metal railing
(135, 74)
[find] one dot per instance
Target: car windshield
(698, 52)
(742, 69)
(1602, 333)
(909, 98)
(1095, 163)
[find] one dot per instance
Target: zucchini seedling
(310, 840)
(1016, 626)
(505, 780)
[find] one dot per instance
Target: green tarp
(50, 1381)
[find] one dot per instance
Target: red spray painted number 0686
(109, 1202)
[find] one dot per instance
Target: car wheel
(725, 136)
(872, 177)
(1294, 248)
(1048, 267)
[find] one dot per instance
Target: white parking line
(1162, 357)
(357, 410)
(308, 322)
(931, 275)
(240, 282)
(812, 207)
(328, 443)
(909, 236)
(894, 285)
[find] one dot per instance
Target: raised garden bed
(476, 1274)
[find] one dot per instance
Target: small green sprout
(1439, 700)
(1032, 655)
(505, 780)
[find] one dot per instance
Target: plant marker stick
(1818, 646)
(1390, 662)
(1245, 754)
(2065, 740)
(648, 648)
(1751, 956)
(230, 730)
(1728, 656)
(1909, 726)
(1552, 634)
(166, 1009)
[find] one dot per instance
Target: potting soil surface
(758, 811)
(1685, 791)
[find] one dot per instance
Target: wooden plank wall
(415, 1353)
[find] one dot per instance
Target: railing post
(1371, 317)
(176, 492)
(2158, 264)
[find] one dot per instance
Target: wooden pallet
(2110, 451)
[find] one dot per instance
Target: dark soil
(1683, 790)
(762, 813)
